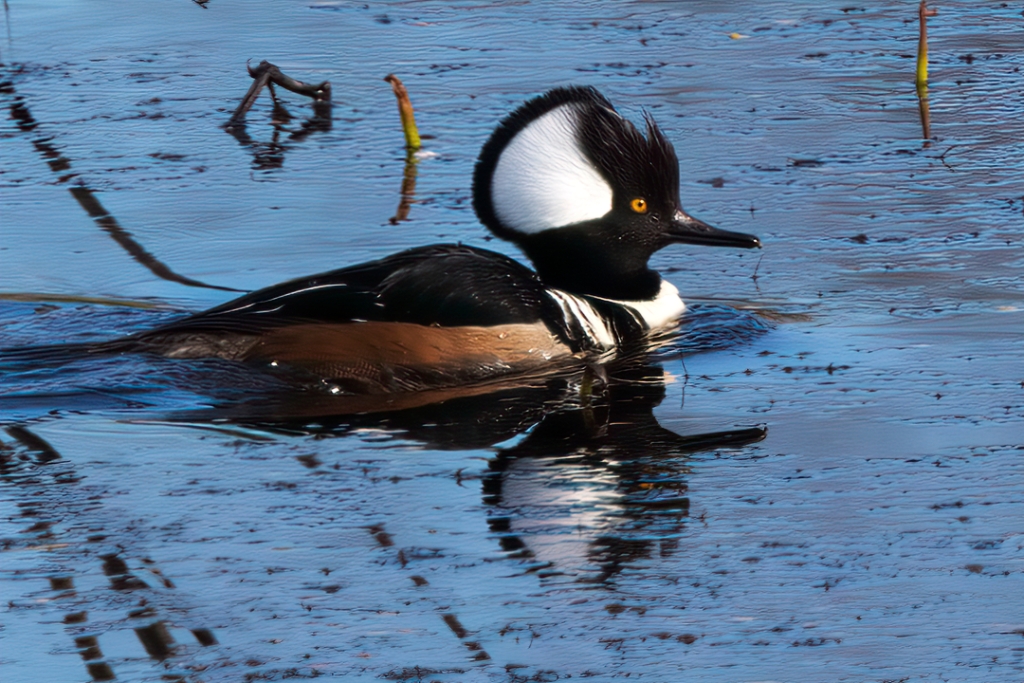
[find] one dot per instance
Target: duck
(578, 188)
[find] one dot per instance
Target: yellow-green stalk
(922, 43)
(412, 134)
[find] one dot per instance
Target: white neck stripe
(656, 314)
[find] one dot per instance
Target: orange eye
(639, 205)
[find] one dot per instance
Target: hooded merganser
(585, 195)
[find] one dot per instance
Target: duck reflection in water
(611, 469)
(583, 482)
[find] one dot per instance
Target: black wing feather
(443, 285)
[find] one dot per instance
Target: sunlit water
(158, 524)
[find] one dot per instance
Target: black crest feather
(635, 165)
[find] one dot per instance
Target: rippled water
(819, 479)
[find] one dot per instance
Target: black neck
(585, 263)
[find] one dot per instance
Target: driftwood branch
(268, 75)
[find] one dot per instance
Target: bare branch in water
(267, 74)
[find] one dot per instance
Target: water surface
(820, 480)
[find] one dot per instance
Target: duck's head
(586, 195)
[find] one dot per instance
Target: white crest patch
(544, 180)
